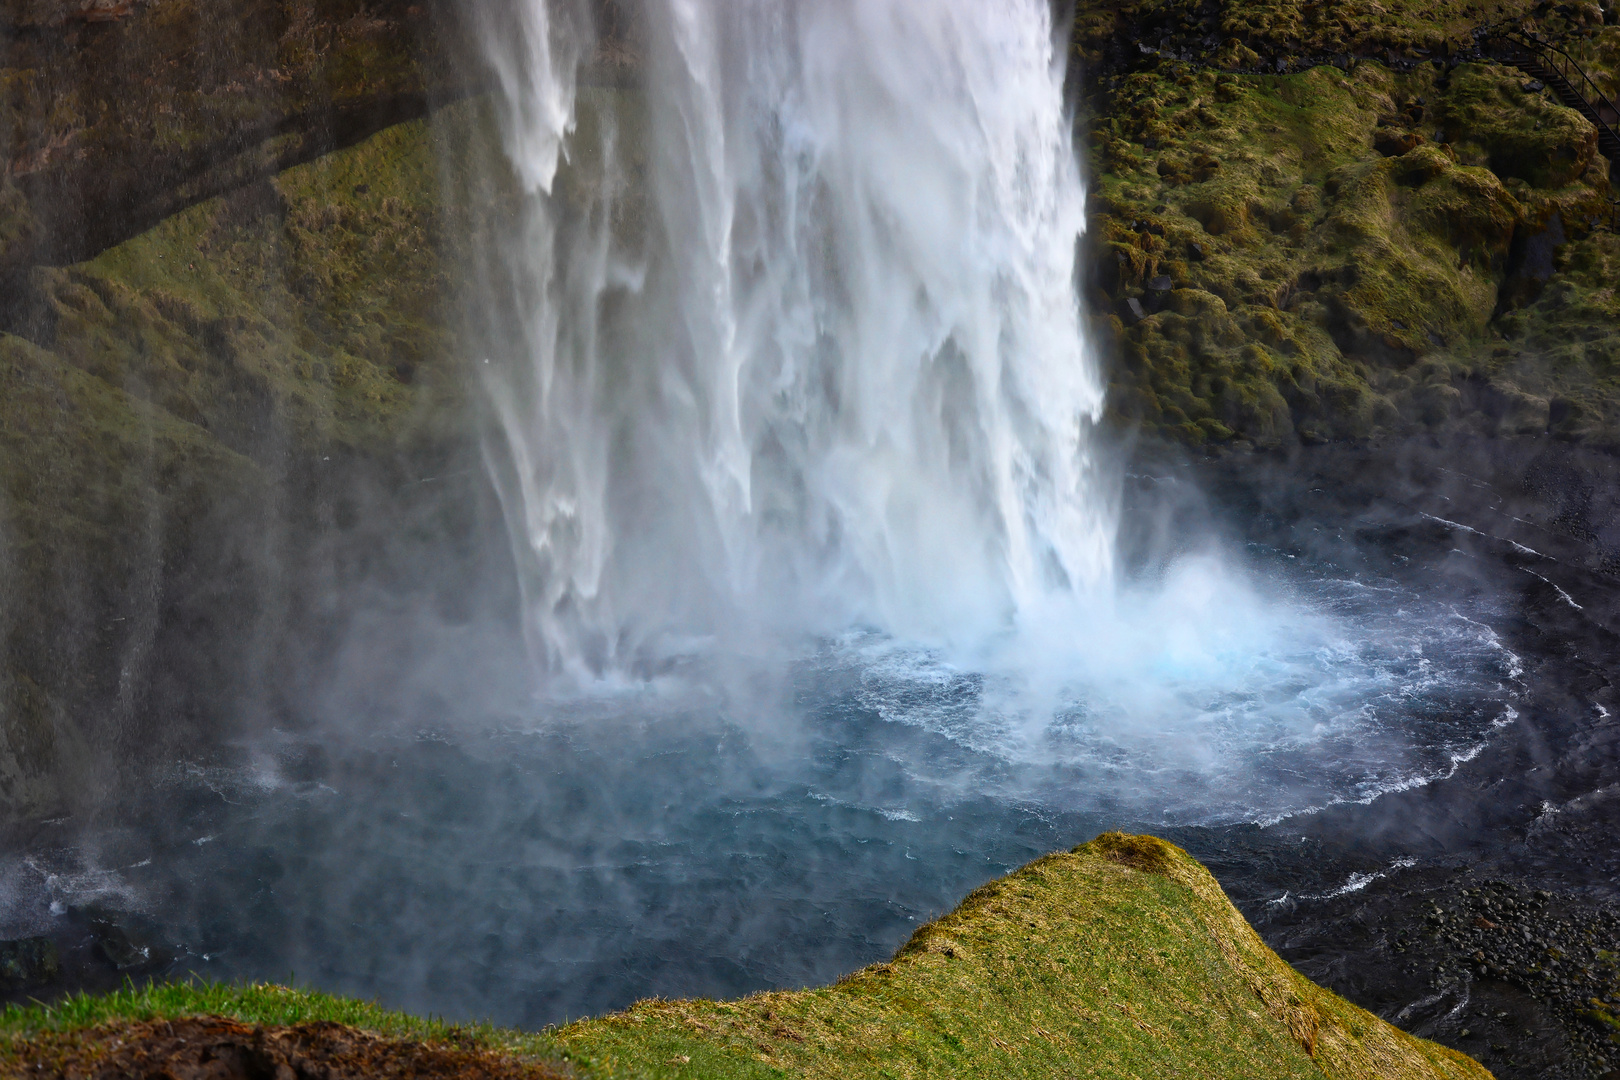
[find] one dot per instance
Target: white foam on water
(1204, 699)
(39, 887)
(1356, 882)
(1562, 595)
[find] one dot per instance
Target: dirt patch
(214, 1048)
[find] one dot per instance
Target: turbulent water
(675, 838)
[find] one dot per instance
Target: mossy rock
(117, 115)
(99, 491)
(1353, 224)
(307, 309)
(1249, 33)
(1560, 349)
(1495, 121)
(182, 401)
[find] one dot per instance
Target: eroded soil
(214, 1048)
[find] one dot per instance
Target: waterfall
(840, 377)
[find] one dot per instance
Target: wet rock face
(28, 962)
(273, 366)
(117, 113)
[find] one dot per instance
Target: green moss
(1516, 133)
(1245, 29)
(1121, 958)
(1350, 223)
(38, 747)
(177, 380)
(1602, 1016)
(1597, 51)
(1558, 360)
(98, 490)
(82, 463)
(312, 305)
(109, 129)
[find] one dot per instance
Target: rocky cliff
(115, 114)
(234, 242)
(194, 423)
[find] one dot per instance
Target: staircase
(1563, 76)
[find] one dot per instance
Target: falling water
(848, 384)
(799, 360)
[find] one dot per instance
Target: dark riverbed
(1458, 768)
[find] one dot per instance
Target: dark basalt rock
(1488, 918)
(28, 962)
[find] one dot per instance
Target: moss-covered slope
(1331, 254)
(98, 491)
(313, 302)
(1122, 958)
(1289, 34)
(1396, 241)
(187, 409)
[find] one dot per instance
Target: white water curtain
(846, 382)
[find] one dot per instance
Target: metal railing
(1537, 56)
(1589, 98)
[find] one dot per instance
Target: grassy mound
(1122, 958)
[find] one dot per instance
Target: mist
(780, 583)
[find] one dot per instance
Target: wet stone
(28, 962)
(129, 942)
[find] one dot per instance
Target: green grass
(253, 1003)
(1120, 959)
